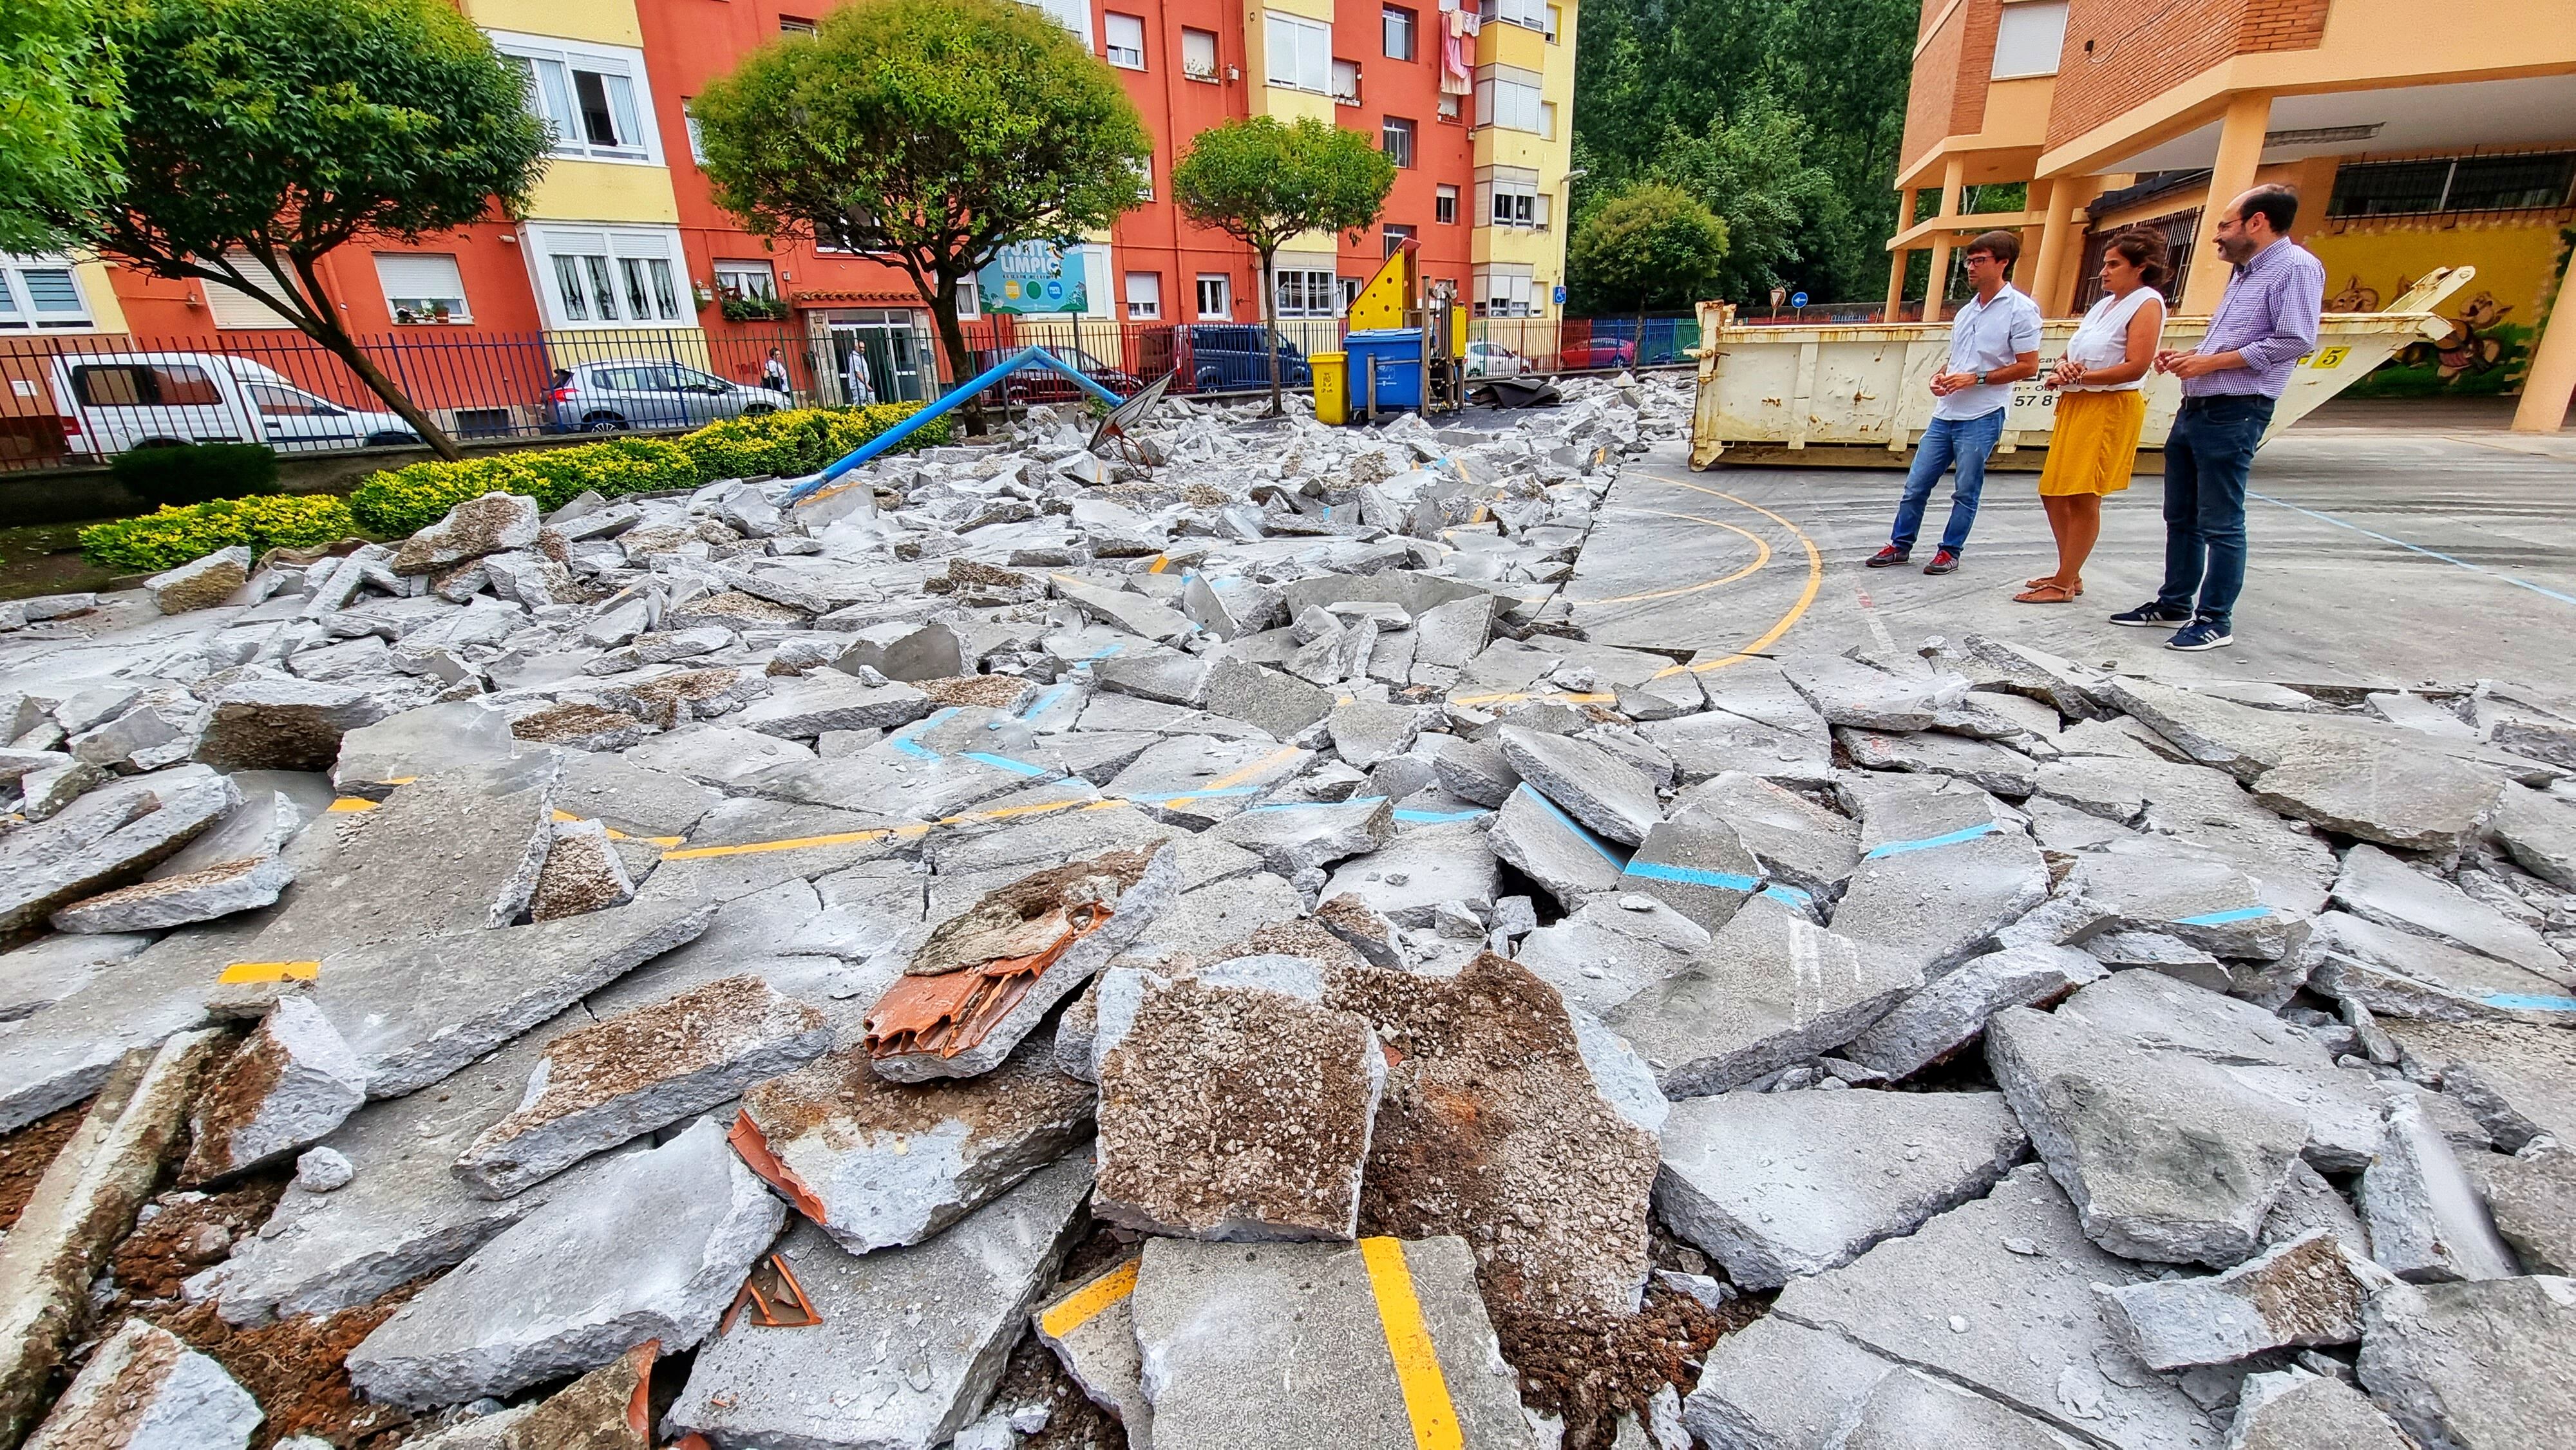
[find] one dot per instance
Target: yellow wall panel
(606, 22)
(604, 191)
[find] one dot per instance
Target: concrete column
(2547, 388)
(2054, 234)
(1953, 173)
(2240, 151)
(1896, 283)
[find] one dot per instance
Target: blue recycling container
(1394, 356)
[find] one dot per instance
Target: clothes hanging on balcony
(1457, 59)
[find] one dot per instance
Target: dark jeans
(1965, 442)
(2207, 458)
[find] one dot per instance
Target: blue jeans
(2207, 459)
(1965, 442)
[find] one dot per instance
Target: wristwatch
(1981, 377)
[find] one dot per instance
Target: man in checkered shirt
(2263, 326)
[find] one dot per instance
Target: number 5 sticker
(2331, 357)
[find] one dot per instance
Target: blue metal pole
(959, 394)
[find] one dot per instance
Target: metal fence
(80, 399)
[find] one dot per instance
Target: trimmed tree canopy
(1262, 182)
(61, 104)
(285, 128)
(928, 133)
(1650, 246)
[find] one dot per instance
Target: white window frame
(697, 137)
(1444, 198)
(752, 277)
(1297, 52)
(1507, 97)
(1412, 140)
(600, 257)
(1527, 14)
(970, 300)
(1191, 69)
(1306, 292)
(1390, 17)
(1504, 292)
(1220, 285)
(462, 313)
(1346, 83)
(553, 96)
(1555, 22)
(795, 25)
(1115, 33)
(2028, 39)
(18, 298)
(1516, 202)
(1144, 304)
(1145, 178)
(1448, 107)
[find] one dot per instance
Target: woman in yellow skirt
(2094, 446)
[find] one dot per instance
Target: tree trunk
(952, 341)
(324, 327)
(1270, 325)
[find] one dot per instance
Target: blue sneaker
(2201, 634)
(2152, 615)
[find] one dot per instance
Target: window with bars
(2533, 181)
(611, 277)
(1399, 32)
(40, 293)
(1395, 138)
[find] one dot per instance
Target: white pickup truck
(111, 402)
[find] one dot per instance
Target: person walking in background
(773, 372)
(1994, 343)
(861, 393)
(2265, 323)
(2101, 407)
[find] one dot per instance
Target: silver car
(619, 394)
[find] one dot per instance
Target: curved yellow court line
(1806, 596)
(1762, 556)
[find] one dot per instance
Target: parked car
(1493, 360)
(1598, 352)
(624, 393)
(1229, 357)
(111, 402)
(1046, 385)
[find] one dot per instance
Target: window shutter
(233, 309)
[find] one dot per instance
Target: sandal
(2048, 594)
(2047, 581)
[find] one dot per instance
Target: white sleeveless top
(2101, 340)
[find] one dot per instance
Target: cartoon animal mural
(2493, 320)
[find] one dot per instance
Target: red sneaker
(1943, 562)
(1888, 557)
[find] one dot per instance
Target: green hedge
(176, 535)
(401, 500)
(187, 473)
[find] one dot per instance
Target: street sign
(1030, 277)
(1560, 294)
(1798, 299)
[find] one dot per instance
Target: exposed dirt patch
(297, 1370)
(26, 1153)
(1035, 1377)
(1590, 1369)
(46, 559)
(994, 692)
(842, 1096)
(230, 1102)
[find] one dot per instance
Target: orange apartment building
(624, 248)
(2419, 136)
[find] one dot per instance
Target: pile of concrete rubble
(727, 971)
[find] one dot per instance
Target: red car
(1598, 352)
(1044, 385)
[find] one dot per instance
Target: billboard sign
(1030, 277)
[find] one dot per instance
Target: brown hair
(2273, 202)
(2004, 247)
(2145, 250)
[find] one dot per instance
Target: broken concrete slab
(1778, 1185)
(2396, 795)
(201, 583)
(1847, 692)
(881, 1164)
(2532, 1197)
(912, 1340)
(1997, 1295)
(1296, 836)
(2296, 1410)
(2302, 1293)
(982, 981)
(1471, 769)
(2168, 888)
(145, 1389)
(601, 1085)
(1941, 871)
(1770, 990)
(1980, 763)
(288, 1085)
(79, 1206)
(1554, 849)
(583, 873)
(1936, 1023)
(2474, 1366)
(1694, 862)
(2166, 1157)
(802, 708)
(1365, 732)
(489, 524)
(655, 1250)
(418, 742)
(2428, 1222)
(2539, 830)
(2378, 887)
(2397, 973)
(278, 722)
(105, 838)
(1604, 953)
(64, 1051)
(1424, 868)
(1236, 1113)
(235, 866)
(1597, 788)
(1093, 1334)
(47, 970)
(1219, 1327)
(1798, 842)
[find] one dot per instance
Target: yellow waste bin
(1332, 386)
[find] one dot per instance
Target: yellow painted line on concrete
(791, 843)
(1408, 1342)
(1157, 566)
(1086, 1303)
(240, 972)
(614, 834)
(1806, 596)
(1278, 757)
(1761, 558)
(349, 804)
(821, 494)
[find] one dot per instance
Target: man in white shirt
(1994, 343)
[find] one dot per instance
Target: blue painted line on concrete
(904, 742)
(2415, 548)
(1790, 895)
(1004, 762)
(1577, 827)
(2527, 1002)
(1928, 843)
(1691, 876)
(1044, 701)
(2222, 918)
(1436, 818)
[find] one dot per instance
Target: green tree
(271, 132)
(929, 134)
(1262, 182)
(1652, 245)
(1753, 170)
(61, 105)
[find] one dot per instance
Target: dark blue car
(1232, 358)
